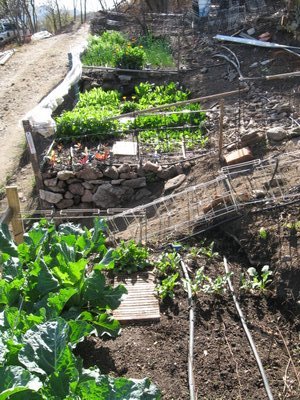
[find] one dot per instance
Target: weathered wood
(221, 133)
(14, 205)
(140, 302)
(33, 155)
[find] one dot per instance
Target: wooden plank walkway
(140, 303)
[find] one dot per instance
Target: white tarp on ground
(40, 117)
(41, 35)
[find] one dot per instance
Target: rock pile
(109, 186)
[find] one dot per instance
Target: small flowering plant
(131, 57)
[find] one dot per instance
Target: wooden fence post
(221, 132)
(33, 155)
(16, 221)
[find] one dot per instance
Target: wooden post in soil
(33, 156)
(14, 206)
(221, 130)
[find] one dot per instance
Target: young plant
(208, 251)
(166, 287)
(203, 283)
(263, 234)
(130, 257)
(255, 280)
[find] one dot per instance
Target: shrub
(131, 58)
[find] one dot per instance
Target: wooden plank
(14, 205)
(140, 303)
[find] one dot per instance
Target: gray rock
(251, 137)
(50, 182)
(186, 166)
(73, 180)
(174, 183)
(57, 189)
(108, 196)
(89, 174)
(124, 168)
(87, 185)
(179, 169)
(97, 182)
(140, 171)
(76, 188)
(65, 175)
(61, 184)
(168, 173)
(141, 194)
(151, 167)
(50, 197)
(277, 133)
(116, 182)
(128, 175)
(111, 172)
(68, 195)
(65, 203)
(87, 197)
(135, 183)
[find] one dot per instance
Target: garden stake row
(248, 334)
(191, 326)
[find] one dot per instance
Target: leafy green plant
(93, 112)
(158, 50)
(50, 300)
(45, 368)
(263, 234)
(208, 250)
(167, 285)
(167, 264)
(255, 280)
(131, 57)
(128, 257)
(204, 283)
(111, 47)
(50, 271)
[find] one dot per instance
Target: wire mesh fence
(271, 181)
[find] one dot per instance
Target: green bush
(114, 49)
(131, 58)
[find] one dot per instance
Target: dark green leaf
(7, 245)
(14, 379)
(97, 294)
(45, 347)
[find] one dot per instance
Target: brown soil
(224, 365)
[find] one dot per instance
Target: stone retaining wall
(109, 186)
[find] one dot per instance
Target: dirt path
(33, 71)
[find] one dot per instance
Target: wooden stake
(221, 132)
(33, 155)
(16, 221)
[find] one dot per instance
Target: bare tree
(21, 13)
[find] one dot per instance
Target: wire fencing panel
(271, 181)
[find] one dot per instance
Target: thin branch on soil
(234, 359)
(289, 354)
(286, 386)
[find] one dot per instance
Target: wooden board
(140, 303)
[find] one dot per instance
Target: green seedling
(203, 283)
(263, 234)
(255, 280)
(166, 287)
(208, 251)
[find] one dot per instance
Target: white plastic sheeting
(40, 117)
(41, 35)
